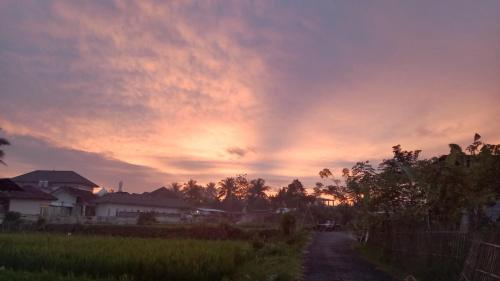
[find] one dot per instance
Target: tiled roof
(8, 185)
(87, 197)
(68, 177)
(145, 199)
(27, 192)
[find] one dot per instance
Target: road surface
(330, 257)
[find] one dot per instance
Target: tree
(292, 196)
(210, 196)
(256, 195)
(176, 188)
(229, 194)
(3, 142)
(193, 193)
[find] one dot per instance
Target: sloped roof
(68, 177)
(27, 192)
(87, 197)
(8, 185)
(164, 192)
(146, 199)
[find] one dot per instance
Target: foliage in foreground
(138, 259)
(82, 258)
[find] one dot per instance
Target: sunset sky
(151, 93)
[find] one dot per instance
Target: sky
(154, 92)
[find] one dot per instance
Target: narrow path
(331, 257)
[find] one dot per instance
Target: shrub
(12, 217)
(288, 224)
(146, 218)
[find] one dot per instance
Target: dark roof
(84, 195)
(8, 185)
(69, 177)
(164, 192)
(27, 192)
(145, 199)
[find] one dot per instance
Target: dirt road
(331, 257)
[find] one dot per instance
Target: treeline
(440, 192)
(237, 193)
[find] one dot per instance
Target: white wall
(63, 199)
(27, 207)
(106, 209)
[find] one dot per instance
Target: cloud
(186, 88)
(238, 151)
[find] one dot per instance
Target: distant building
(72, 202)
(161, 201)
(27, 200)
(50, 181)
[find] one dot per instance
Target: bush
(146, 218)
(12, 217)
(288, 224)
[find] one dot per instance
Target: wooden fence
(466, 257)
(483, 262)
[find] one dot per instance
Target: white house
(72, 202)
(26, 200)
(161, 201)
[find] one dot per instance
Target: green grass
(138, 259)
(85, 258)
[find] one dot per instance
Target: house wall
(27, 207)
(107, 209)
(63, 199)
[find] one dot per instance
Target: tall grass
(123, 258)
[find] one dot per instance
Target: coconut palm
(257, 189)
(193, 192)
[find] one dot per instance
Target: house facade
(160, 201)
(49, 181)
(28, 201)
(72, 202)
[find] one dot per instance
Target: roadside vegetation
(41, 256)
(420, 216)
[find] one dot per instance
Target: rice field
(118, 258)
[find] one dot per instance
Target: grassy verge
(278, 260)
(423, 268)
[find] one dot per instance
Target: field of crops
(125, 258)
(78, 258)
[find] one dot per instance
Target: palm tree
(175, 187)
(3, 142)
(210, 196)
(228, 188)
(193, 192)
(257, 189)
(256, 195)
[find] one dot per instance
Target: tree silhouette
(256, 195)
(193, 193)
(210, 195)
(3, 142)
(229, 193)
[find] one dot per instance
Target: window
(43, 183)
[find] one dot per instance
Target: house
(50, 181)
(72, 202)
(160, 201)
(27, 200)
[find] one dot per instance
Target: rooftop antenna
(120, 186)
